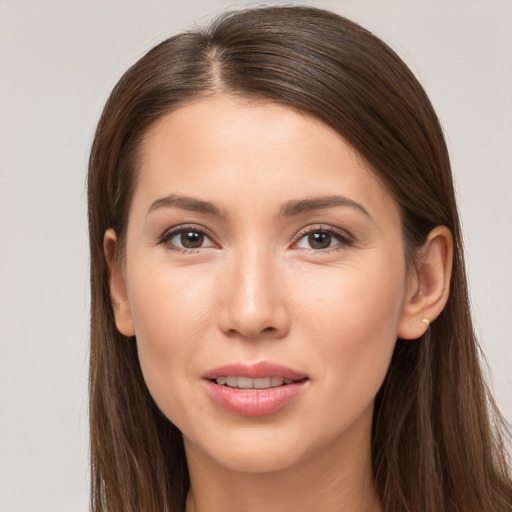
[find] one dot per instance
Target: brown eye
(324, 238)
(319, 240)
(191, 239)
(186, 239)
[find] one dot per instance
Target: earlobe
(429, 287)
(118, 295)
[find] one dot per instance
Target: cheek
(352, 316)
(171, 316)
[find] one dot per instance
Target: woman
(280, 317)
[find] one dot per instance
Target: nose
(253, 303)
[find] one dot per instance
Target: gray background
(58, 62)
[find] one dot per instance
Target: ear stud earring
(426, 321)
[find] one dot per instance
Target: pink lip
(254, 402)
(255, 371)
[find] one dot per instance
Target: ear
(429, 286)
(118, 295)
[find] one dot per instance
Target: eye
(322, 238)
(186, 239)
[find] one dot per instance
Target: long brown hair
(436, 442)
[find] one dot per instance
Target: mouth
(256, 389)
(238, 382)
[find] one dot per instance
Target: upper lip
(258, 370)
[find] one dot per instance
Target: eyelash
(169, 235)
(345, 239)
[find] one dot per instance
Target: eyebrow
(186, 203)
(296, 207)
(289, 209)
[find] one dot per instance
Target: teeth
(263, 383)
(248, 383)
(244, 382)
(232, 382)
(276, 381)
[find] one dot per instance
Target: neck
(335, 478)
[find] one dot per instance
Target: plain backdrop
(58, 63)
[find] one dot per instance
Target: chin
(267, 448)
(257, 460)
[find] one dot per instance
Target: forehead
(223, 148)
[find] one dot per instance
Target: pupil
(319, 240)
(192, 239)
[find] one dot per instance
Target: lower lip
(254, 402)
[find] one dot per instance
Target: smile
(248, 383)
(258, 389)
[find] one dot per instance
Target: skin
(256, 290)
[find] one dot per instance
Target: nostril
(237, 319)
(252, 333)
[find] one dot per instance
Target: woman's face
(266, 282)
